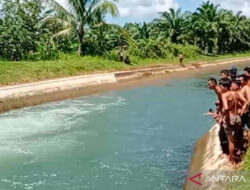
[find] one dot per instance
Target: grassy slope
(69, 65)
(245, 171)
(247, 161)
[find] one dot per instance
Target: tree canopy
(35, 29)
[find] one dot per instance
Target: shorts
(235, 125)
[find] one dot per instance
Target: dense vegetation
(41, 29)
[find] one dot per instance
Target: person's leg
(223, 140)
(239, 135)
(239, 141)
(231, 150)
(231, 144)
(181, 62)
(121, 58)
(248, 119)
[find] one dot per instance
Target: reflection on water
(128, 139)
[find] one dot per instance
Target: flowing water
(132, 139)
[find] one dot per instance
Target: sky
(146, 10)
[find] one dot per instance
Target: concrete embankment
(207, 163)
(17, 96)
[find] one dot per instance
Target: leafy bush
(148, 48)
(173, 50)
(47, 50)
(135, 60)
(19, 32)
(151, 48)
(112, 55)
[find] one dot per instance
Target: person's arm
(218, 90)
(219, 118)
(243, 91)
(245, 104)
(224, 103)
(225, 108)
(219, 94)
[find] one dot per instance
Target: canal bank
(207, 163)
(18, 96)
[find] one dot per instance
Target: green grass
(245, 171)
(70, 65)
(200, 58)
(246, 165)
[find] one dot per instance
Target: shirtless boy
(245, 91)
(243, 80)
(234, 106)
(247, 71)
(224, 74)
(213, 85)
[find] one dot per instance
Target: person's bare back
(245, 91)
(234, 102)
(234, 105)
(230, 102)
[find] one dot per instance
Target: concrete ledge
(50, 86)
(207, 161)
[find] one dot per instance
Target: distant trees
(212, 29)
(35, 29)
(171, 25)
(19, 32)
(81, 16)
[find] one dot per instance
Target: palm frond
(54, 5)
(106, 7)
(63, 33)
(59, 9)
(55, 21)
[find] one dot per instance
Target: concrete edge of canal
(207, 161)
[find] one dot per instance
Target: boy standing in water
(181, 60)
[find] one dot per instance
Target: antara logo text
(217, 178)
(196, 179)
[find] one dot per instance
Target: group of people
(232, 111)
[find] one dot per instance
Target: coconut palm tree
(78, 17)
